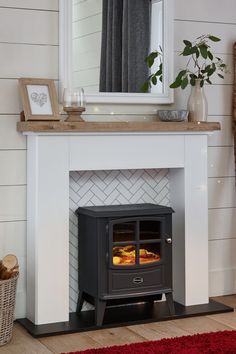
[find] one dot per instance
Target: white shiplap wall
(193, 18)
(29, 47)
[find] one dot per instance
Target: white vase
(197, 104)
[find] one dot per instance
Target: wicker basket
(7, 307)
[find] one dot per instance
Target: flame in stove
(126, 256)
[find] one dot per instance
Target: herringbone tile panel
(114, 187)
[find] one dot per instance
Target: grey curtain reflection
(125, 44)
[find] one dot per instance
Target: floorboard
(23, 343)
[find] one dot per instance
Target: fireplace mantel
(76, 127)
(50, 158)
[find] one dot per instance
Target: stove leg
(170, 303)
(80, 302)
(99, 311)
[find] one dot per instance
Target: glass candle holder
(74, 104)
(74, 97)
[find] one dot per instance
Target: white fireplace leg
(189, 199)
(47, 229)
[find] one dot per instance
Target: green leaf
(145, 87)
(158, 73)
(192, 81)
(213, 38)
(187, 43)
(184, 82)
(160, 78)
(209, 81)
(187, 51)
(210, 72)
(176, 83)
(203, 50)
(181, 74)
(195, 50)
(154, 80)
(201, 83)
(210, 56)
(221, 76)
(150, 58)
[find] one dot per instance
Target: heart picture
(39, 98)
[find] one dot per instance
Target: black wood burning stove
(125, 255)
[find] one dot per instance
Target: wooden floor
(23, 343)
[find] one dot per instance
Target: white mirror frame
(65, 61)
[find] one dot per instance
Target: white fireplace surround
(51, 156)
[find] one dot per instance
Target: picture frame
(39, 98)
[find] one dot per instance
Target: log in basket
(7, 307)
(9, 273)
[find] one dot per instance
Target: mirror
(101, 39)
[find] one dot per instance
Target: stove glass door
(136, 241)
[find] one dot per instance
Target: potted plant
(200, 68)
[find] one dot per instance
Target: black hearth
(125, 255)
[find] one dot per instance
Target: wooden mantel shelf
(73, 127)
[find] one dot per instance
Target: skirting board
(123, 316)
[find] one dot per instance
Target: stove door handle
(137, 280)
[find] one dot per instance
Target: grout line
(222, 208)
(9, 114)
(220, 115)
(13, 185)
(222, 239)
(215, 177)
(30, 44)
(209, 22)
(10, 221)
(16, 78)
(13, 149)
(28, 9)
(218, 146)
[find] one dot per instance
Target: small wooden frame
(39, 99)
